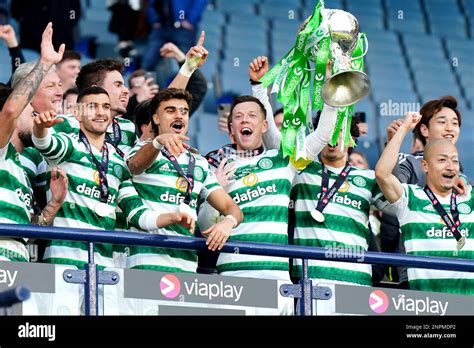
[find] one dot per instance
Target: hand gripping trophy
(328, 35)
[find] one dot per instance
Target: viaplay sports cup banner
(292, 81)
(362, 300)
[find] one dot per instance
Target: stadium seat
(280, 12)
(97, 29)
(236, 7)
(98, 14)
(213, 17)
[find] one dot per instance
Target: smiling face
(49, 95)
(94, 113)
(118, 92)
(172, 116)
(443, 125)
(441, 165)
(248, 125)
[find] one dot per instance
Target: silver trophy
(347, 85)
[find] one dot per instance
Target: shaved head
(437, 147)
(441, 165)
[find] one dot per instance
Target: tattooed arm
(27, 87)
(59, 187)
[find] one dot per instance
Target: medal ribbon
(188, 176)
(325, 195)
(454, 223)
(117, 137)
(101, 166)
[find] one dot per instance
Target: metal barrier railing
(304, 291)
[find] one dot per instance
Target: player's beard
(25, 138)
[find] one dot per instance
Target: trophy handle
(366, 46)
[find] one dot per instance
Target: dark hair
(136, 73)
(70, 55)
(94, 73)
(91, 91)
(142, 116)
(4, 94)
(245, 99)
(355, 132)
(70, 91)
(432, 107)
(165, 95)
(279, 111)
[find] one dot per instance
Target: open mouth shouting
(178, 126)
(246, 132)
(123, 100)
(448, 178)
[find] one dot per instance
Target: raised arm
(197, 84)
(27, 87)
(195, 58)
(317, 140)
(389, 184)
(257, 68)
(141, 160)
(54, 147)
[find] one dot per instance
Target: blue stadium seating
(236, 7)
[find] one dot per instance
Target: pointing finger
(201, 38)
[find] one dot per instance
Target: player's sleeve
(210, 183)
(133, 208)
(398, 208)
(134, 149)
(55, 148)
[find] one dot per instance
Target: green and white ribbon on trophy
(327, 34)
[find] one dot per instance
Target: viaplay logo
(170, 286)
(378, 301)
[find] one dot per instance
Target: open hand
(58, 185)
(48, 55)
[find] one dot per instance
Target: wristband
(189, 66)
(253, 83)
(234, 220)
(156, 144)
